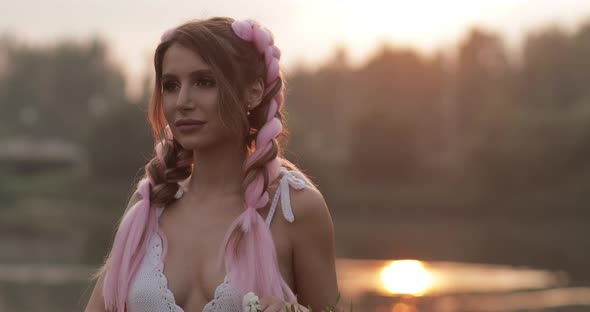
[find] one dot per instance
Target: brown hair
(235, 64)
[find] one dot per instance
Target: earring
(248, 110)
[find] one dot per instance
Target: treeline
(476, 120)
(476, 131)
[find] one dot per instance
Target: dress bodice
(149, 290)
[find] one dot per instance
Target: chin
(203, 140)
(200, 142)
(192, 143)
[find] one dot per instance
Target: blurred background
(451, 141)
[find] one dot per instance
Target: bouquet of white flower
(250, 303)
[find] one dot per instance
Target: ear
(254, 93)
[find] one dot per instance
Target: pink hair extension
(250, 257)
(127, 253)
(167, 34)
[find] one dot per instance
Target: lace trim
(167, 294)
(225, 287)
(291, 178)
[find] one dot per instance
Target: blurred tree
(319, 111)
(120, 143)
(73, 91)
(484, 107)
(483, 81)
(548, 71)
(56, 91)
(398, 120)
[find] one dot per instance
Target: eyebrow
(193, 73)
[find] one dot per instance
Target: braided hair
(238, 52)
(249, 254)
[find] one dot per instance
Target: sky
(306, 31)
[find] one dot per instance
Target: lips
(189, 122)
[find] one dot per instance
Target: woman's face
(190, 95)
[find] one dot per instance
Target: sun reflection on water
(413, 285)
(406, 277)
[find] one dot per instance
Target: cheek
(209, 101)
(168, 108)
(205, 105)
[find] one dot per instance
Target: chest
(193, 245)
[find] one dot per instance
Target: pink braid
(250, 258)
(167, 34)
(126, 253)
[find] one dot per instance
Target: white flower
(250, 303)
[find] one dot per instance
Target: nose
(185, 101)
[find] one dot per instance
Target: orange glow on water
(406, 277)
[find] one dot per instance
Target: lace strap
(291, 178)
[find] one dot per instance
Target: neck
(218, 170)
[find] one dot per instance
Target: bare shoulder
(308, 202)
(312, 215)
(314, 250)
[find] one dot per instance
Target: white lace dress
(149, 291)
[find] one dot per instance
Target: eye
(168, 86)
(205, 82)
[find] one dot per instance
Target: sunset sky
(306, 31)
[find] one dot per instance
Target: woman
(194, 236)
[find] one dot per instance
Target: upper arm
(314, 250)
(96, 301)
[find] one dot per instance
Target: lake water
(411, 285)
(372, 285)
